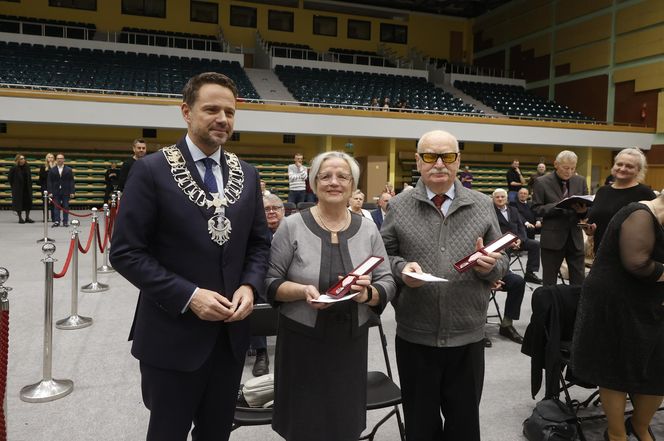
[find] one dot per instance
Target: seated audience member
(561, 237)
(379, 213)
(386, 104)
(466, 177)
(532, 222)
(515, 286)
(355, 204)
(510, 221)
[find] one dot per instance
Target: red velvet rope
(102, 247)
(4, 358)
(62, 273)
(92, 234)
(69, 212)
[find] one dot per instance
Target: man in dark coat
(20, 181)
(140, 149)
(61, 188)
(191, 234)
(379, 213)
(524, 207)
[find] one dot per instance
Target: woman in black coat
(49, 163)
(20, 181)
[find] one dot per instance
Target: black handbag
(551, 421)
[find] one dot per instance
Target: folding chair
(263, 321)
(515, 257)
(498, 315)
(382, 392)
(289, 208)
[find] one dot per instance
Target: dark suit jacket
(59, 185)
(557, 224)
(377, 216)
(514, 225)
(161, 245)
(525, 210)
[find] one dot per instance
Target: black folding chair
(289, 208)
(498, 315)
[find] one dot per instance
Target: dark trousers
(441, 380)
(206, 397)
(515, 287)
(258, 342)
(297, 196)
(532, 247)
(63, 201)
(552, 259)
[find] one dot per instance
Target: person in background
(264, 189)
(629, 169)
(466, 177)
(61, 188)
(355, 204)
(609, 179)
(111, 179)
(386, 104)
(440, 326)
(618, 339)
(524, 207)
(374, 103)
(379, 213)
(541, 171)
(139, 147)
(515, 180)
(515, 287)
(561, 238)
(389, 188)
(321, 354)
(20, 181)
(297, 176)
(49, 163)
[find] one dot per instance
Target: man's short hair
(438, 133)
(567, 156)
(190, 90)
(138, 141)
(499, 191)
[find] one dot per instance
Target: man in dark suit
(60, 184)
(379, 213)
(191, 235)
(139, 147)
(561, 238)
(510, 221)
(532, 222)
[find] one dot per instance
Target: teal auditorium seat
(513, 100)
(108, 70)
(321, 87)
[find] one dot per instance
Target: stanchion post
(74, 321)
(94, 286)
(106, 267)
(47, 389)
(45, 238)
(4, 339)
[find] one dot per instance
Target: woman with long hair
(49, 163)
(20, 181)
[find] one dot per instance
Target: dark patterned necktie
(565, 190)
(209, 180)
(438, 200)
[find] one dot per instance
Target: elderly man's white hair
(499, 191)
(567, 156)
(439, 136)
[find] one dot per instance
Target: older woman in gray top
(321, 354)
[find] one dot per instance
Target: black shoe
(630, 430)
(511, 333)
(532, 278)
(29, 221)
(261, 365)
(487, 342)
(55, 224)
(65, 224)
(20, 220)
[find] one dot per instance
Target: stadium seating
(324, 87)
(515, 101)
(291, 50)
(169, 39)
(360, 57)
(49, 28)
(25, 64)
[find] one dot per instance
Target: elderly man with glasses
(440, 325)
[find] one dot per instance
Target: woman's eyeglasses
(342, 178)
(273, 208)
(447, 158)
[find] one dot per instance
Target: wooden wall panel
(534, 68)
(647, 76)
(588, 31)
(628, 105)
(495, 60)
(587, 95)
(585, 58)
(641, 44)
(640, 15)
(569, 9)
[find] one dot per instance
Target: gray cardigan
(449, 313)
(297, 256)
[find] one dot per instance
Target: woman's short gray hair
(640, 160)
(318, 161)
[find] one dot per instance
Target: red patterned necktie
(438, 200)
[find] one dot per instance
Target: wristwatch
(370, 290)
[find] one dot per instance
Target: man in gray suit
(561, 238)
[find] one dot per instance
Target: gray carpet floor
(106, 404)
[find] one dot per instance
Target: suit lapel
(191, 166)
